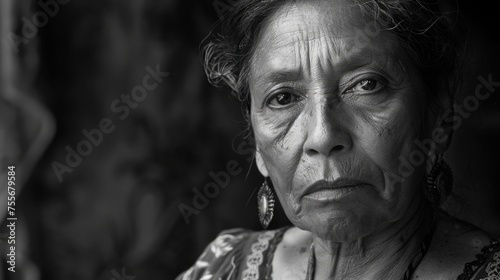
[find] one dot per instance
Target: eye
(283, 99)
(366, 86)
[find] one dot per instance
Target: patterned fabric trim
(472, 268)
(254, 260)
(493, 268)
(222, 244)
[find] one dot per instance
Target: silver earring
(265, 199)
(439, 182)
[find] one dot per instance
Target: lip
(340, 185)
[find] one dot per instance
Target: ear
(260, 164)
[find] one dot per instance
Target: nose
(326, 132)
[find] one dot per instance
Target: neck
(384, 255)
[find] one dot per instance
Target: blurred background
(109, 119)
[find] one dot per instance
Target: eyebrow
(283, 75)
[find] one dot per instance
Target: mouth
(323, 190)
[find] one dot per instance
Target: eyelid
(352, 82)
(272, 95)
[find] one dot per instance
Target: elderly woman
(350, 105)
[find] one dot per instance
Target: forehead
(320, 34)
(332, 15)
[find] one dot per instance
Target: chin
(339, 226)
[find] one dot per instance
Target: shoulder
(225, 255)
(229, 240)
(455, 245)
(486, 265)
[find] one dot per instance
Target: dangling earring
(439, 182)
(265, 199)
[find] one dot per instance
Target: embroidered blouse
(240, 254)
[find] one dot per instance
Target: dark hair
(423, 31)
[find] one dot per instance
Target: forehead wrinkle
(324, 58)
(310, 57)
(315, 47)
(314, 30)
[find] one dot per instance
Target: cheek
(275, 142)
(386, 131)
(387, 135)
(279, 141)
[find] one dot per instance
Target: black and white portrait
(249, 139)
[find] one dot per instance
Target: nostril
(338, 148)
(312, 152)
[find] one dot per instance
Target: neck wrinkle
(385, 255)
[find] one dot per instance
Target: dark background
(119, 208)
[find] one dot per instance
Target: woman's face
(335, 108)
